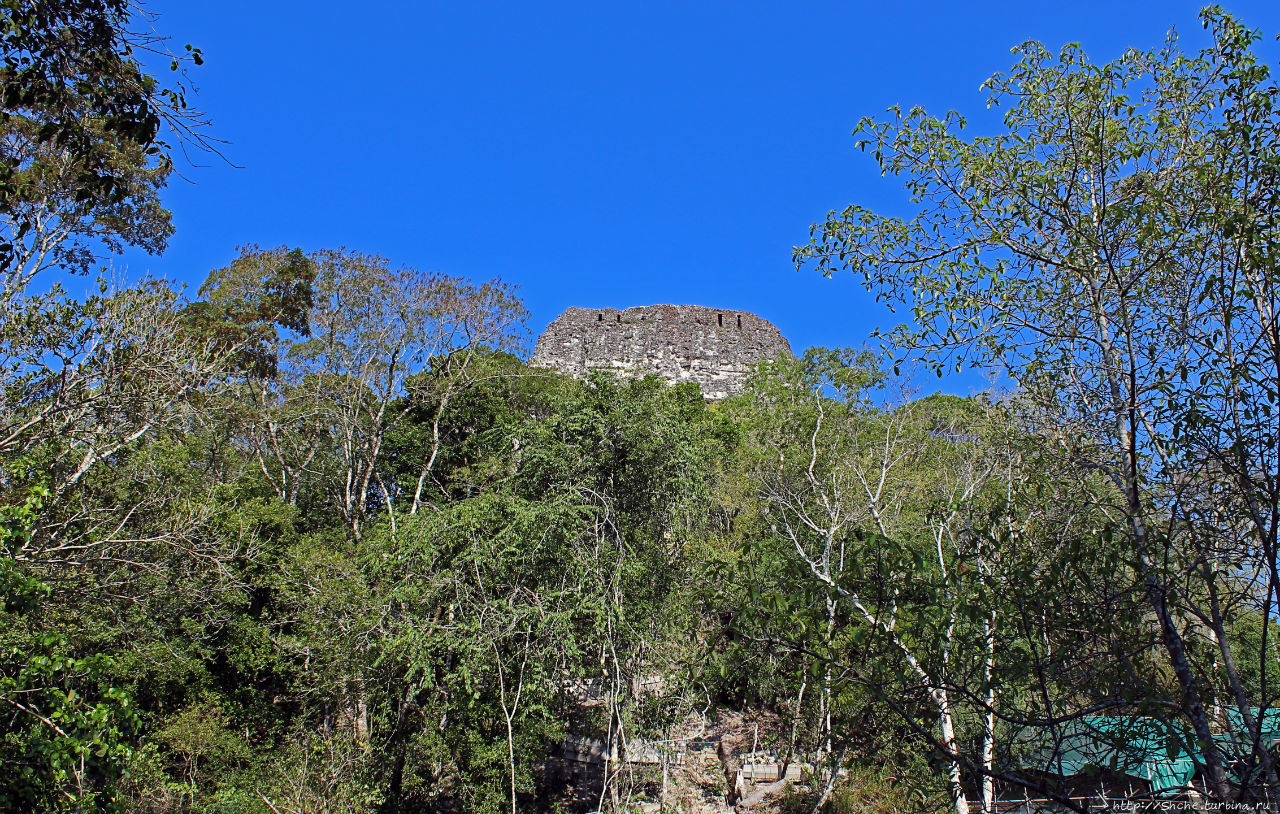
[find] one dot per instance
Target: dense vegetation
(316, 539)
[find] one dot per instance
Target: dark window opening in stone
(739, 321)
(720, 320)
(599, 317)
(619, 317)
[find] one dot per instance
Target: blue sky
(595, 154)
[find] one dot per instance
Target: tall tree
(79, 109)
(380, 342)
(909, 525)
(1108, 251)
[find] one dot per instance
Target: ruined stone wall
(713, 347)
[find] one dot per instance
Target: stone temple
(714, 347)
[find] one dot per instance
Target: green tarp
(1143, 748)
(1270, 728)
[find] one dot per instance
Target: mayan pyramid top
(714, 347)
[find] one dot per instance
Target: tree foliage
(1111, 251)
(315, 538)
(83, 153)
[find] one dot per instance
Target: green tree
(83, 124)
(65, 736)
(904, 523)
(556, 555)
(379, 342)
(1110, 252)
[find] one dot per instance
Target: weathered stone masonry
(714, 347)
